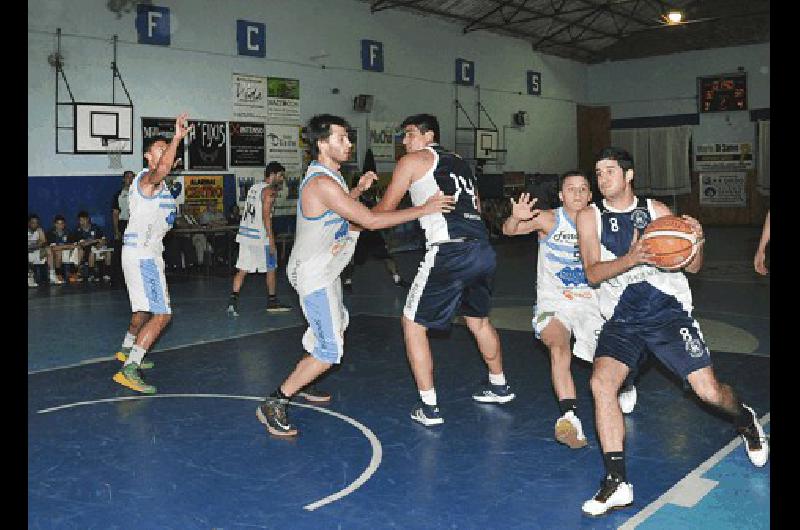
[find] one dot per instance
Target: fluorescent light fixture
(674, 17)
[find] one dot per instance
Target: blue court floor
(194, 455)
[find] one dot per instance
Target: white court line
(680, 490)
(179, 346)
(374, 462)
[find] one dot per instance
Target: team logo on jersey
(694, 347)
(572, 276)
(639, 218)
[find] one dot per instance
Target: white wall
(664, 85)
(194, 72)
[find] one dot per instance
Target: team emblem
(639, 218)
(694, 347)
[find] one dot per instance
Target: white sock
(497, 379)
(136, 356)
(428, 397)
(396, 277)
(129, 340)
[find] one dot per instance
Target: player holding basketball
(566, 304)
(152, 213)
(458, 268)
(646, 308)
(324, 244)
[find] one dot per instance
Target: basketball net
(114, 150)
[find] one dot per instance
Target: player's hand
(439, 203)
(638, 251)
(523, 209)
(366, 180)
(759, 262)
(182, 125)
(697, 228)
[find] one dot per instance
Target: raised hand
(182, 125)
(366, 180)
(523, 209)
(439, 203)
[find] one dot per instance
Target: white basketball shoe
(627, 399)
(569, 431)
(755, 441)
(612, 495)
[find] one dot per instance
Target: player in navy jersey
(458, 268)
(646, 309)
(93, 245)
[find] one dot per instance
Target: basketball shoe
(627, 399)
(613, 494)
(569, 431)
(314, 394)
(129, 376)
(273, 306)
(233, 306)
(272, 413)
(489, 393)
(755, 441)
(426, 414)
(122, 356)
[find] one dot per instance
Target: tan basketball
(671, 241)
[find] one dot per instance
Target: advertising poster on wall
(165, 127)
(283, 146)
(250, 96)
(381, 140)
(352, 135)
(247, 144)
(201, 191)
(245, 178)
(723, 157)
(208, 145)
(723, 189)
(399, 148)
(283, 100)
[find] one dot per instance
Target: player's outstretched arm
(167, 159)
(408, 166)
(524, 219)
(759, 261)
(331, 196)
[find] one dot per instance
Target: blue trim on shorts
(153, 290)
(318, 312)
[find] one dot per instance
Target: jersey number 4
(462, 184)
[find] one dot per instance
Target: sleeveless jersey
(453, 176)
(33, 238)
(643, 293)
(323, 245)
(150, 218)
(251, 227)
(559, 270)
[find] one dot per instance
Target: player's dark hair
(273, 167)
(59, 217)
(623, 158)
(83, 213)
(423, 122)
(568, 174)
(128, 172)
(33, 216)
(148, 143)
(319, 128)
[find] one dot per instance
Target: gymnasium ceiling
(593, 31)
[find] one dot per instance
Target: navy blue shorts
(677, 342)
(452, 276)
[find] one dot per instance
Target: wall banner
(208, 149)
(247, 144)
(201, 191)
(283, 100)
(165, 127)
(381, 140)
(723, 189)
(723, 157)
(249, 96)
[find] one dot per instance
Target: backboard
(102, 128)
(486, 144)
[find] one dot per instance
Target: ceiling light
(674, 17)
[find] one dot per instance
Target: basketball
(671, 241)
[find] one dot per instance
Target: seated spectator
(38, 252)
(234, 216)
(64, 250)
(179, 250)
(93, 248)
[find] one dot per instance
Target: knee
(164, 319)
(602, 385)
(707, 388)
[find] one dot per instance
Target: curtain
(762, 177)
(637, 143)
(669, 161)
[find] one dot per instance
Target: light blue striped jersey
(559, 267)
(150, 218)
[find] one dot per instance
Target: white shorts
(71, 256)
(146, 283)
(37, 257)
(256, 258)
(580, 315)
(101, 252)
(328, 319)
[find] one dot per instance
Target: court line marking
(374, 462)
(680, 489)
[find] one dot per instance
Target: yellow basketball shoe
(129, 377)
(122, 356)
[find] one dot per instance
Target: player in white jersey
(647, 310)
(324, 243)
(566, 304)
(457, 271)
(152, 212)
(257, 249)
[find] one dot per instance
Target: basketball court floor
(194, 455)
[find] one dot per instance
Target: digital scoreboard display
(722, 93)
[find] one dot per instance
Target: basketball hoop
(114, 149)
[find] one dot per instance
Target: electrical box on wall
(521, 118)
(363, 103)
